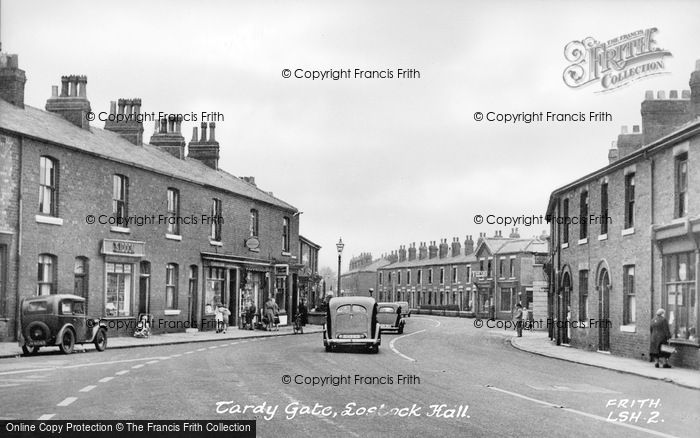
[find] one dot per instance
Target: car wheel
(328, 348)
(67, 342)
(101, 340)
(29, 351)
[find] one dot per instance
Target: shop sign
(128, 248)
(281, 270)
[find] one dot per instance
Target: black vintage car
(352, 321)
(58, 320)
(389, 317)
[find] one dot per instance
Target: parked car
(405, 310)
(352, 321)
(58, 320)
(389, 317)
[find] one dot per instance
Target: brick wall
(9, 213)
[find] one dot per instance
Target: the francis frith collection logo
(616, 62)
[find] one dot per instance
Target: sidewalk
(539, 343)
(11, 349)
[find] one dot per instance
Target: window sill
(41, 219)
(254, 249)
(216, 243)
(631, 328)
(120, 230)
(286, 254)
(603, 236)
(583, 241)
(564, 245)
(627, 231)
(171, 312)
(173, 237)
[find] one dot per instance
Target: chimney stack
(422, 251)
(514, 233)
(402, 253)
(661, 115)
(468, 245)
(127, 123)
(432, 250)
(205, 150)
(168, 136)
(412, 252)
(444, 247)
(694, 90)
(12, 80)
(456, 247)
(72, 103)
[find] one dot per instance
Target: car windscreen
(37, 306)
(387, 310)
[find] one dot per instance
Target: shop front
(122, 264)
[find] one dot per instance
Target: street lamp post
(340, 245)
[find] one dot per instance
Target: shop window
(46, 275)
(215, 290)
(681, 295)
(629, 313)
(119, 289)
(48, 186)
(173, 211)
(171, 284)
(507, 299)
(120, 198)
(583, 295)
(682, 185)
(281, 292)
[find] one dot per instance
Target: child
(225, 313)
(219, 318)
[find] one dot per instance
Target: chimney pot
(661, 94)
(673, 94)
(203, 138)
(624, 130)
(635, 129)
(685, 94)
(212, 126)
(649, 95)
(54, 91)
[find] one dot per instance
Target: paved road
(482, 386)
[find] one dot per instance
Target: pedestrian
(225, 314)
(660, 334)
(250, 314)
(303, 312)
(219, 318)
(518, 318)
(271, 311)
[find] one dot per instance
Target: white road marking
(106, 379)
(67, 401)
(176, 355)
(201, 349)
(585, 414)
(212, 347)
(137, 366)
(150, 362)
(88, 388)
(8, 385)
(46, 417)
(6, 373)
(223, 345)
(391, 345)
(189, 352)
(121, 373)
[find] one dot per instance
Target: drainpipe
(18, 269)
(651, 243)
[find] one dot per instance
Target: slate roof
(52, 128)
(497, 246)
(373, 267)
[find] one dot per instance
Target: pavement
(537, 342)
(12, 349)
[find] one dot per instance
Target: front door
(192, 295)
(565, 316)
(233, 296)
(604, 312)
(144, 287)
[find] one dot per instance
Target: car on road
(352, 321)
(389, 317)
(58, 320)
(405, 309)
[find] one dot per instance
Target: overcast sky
(380, 162)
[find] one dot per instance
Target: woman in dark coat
(303, 312)
(660, 334)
